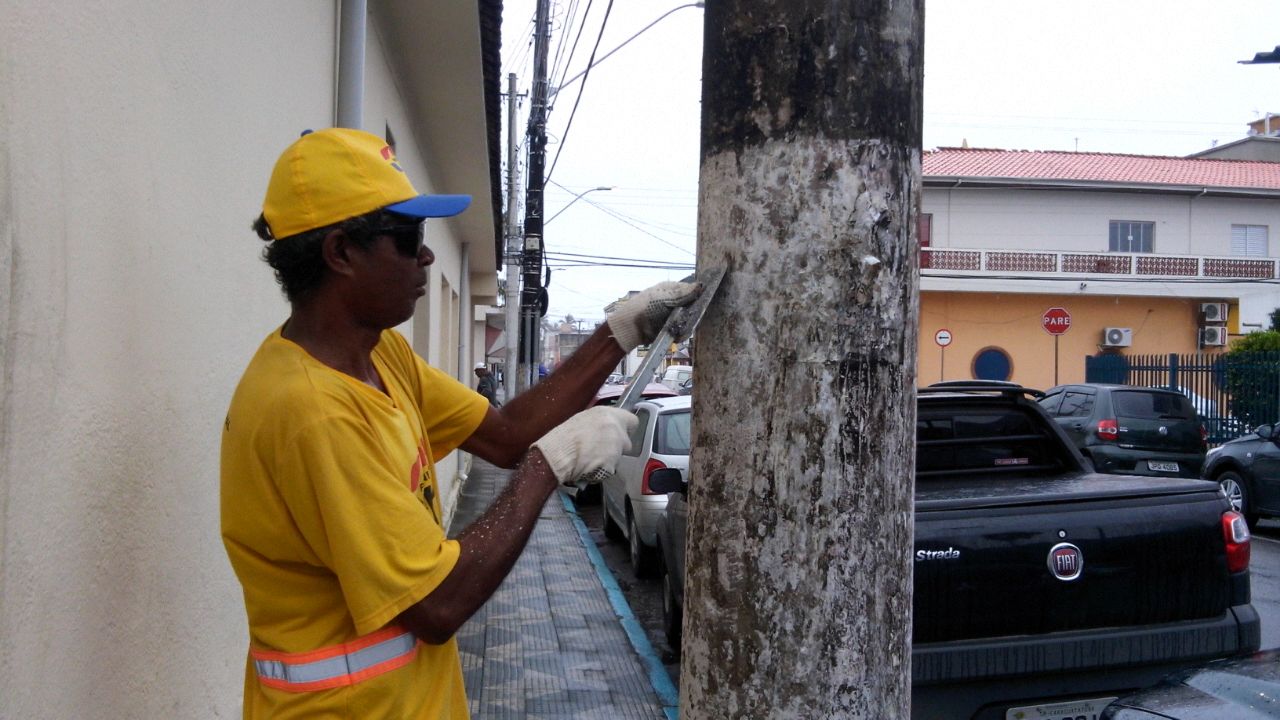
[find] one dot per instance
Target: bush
(1252, 369)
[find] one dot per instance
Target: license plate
(1162, 466)
(1074, 710)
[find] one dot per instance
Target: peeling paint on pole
(798, 597)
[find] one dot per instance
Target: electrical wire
(560, 27)
(587, 261)
(591, 61)
(681, 230)
(573, 50)
(519, 59)
(625, 219)
(563, 265)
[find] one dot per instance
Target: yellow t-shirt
(330, 517)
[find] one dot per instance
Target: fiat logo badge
(1066, 562)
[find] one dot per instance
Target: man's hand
(590, 440)
(637, 320)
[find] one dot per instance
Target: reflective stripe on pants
(337, 665)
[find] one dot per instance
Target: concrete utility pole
(798, 600)
(510, 369)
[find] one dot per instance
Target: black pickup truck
(1044, 590)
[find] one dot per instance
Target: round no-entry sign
(1056, 320)
(942, 337)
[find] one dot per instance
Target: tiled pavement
(557, 640)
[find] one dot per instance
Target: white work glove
(593, 439)
(637, 320)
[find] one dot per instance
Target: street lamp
(574, 79)
(1261, 58)
(575, 199)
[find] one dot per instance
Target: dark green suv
(1130, 430)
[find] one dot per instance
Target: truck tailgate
(1150, 550)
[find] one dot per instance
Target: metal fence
(1231, 392)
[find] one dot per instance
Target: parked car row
(631, 505)
(1120, 430)
(1248, 469)
(1130, 430)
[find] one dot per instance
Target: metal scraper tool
(679, 325)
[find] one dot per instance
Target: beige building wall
(1080, 221)
(137, 139)
(1012, 322)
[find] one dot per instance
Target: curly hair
(298, 261)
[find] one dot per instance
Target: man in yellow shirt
(330, 507)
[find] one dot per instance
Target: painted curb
(658, 678)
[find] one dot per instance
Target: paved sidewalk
(557, 640)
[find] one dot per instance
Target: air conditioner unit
(1213, 335)
(1214, 312)
(1117, 337)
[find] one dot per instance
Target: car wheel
(611, 528)
(589, 495)
(1233, 486)
(672, 613)
(641, 556)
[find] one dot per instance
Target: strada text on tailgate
(1043, 589)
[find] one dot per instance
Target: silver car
(631, 508)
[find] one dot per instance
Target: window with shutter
(1249, 240)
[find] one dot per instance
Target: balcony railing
(1077, 263)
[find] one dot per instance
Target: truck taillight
(649, 467)
(1235, 531)
(1108, 429)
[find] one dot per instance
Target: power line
(574, 48)
(589, 261)
(567, 265)
(681, 230)
(591, 61)
(625, 219)
(519, 58)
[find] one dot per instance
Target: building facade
(138, 139)
(1136, 254)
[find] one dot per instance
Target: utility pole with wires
(512, 250)
(533, 296)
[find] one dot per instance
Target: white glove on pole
(638, 319)
(590, 440)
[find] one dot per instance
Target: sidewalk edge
(658, 678)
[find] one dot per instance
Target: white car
(631, 509)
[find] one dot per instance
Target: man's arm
(504, 435)
(490, 546)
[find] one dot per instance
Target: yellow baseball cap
(327, 176)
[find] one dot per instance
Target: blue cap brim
(431, 206)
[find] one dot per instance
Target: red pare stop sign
(1056, 321)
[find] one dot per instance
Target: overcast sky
(1125, 76)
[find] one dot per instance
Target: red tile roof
(1100, 167)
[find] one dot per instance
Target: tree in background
(1252, 371)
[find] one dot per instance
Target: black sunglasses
(407, 236)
